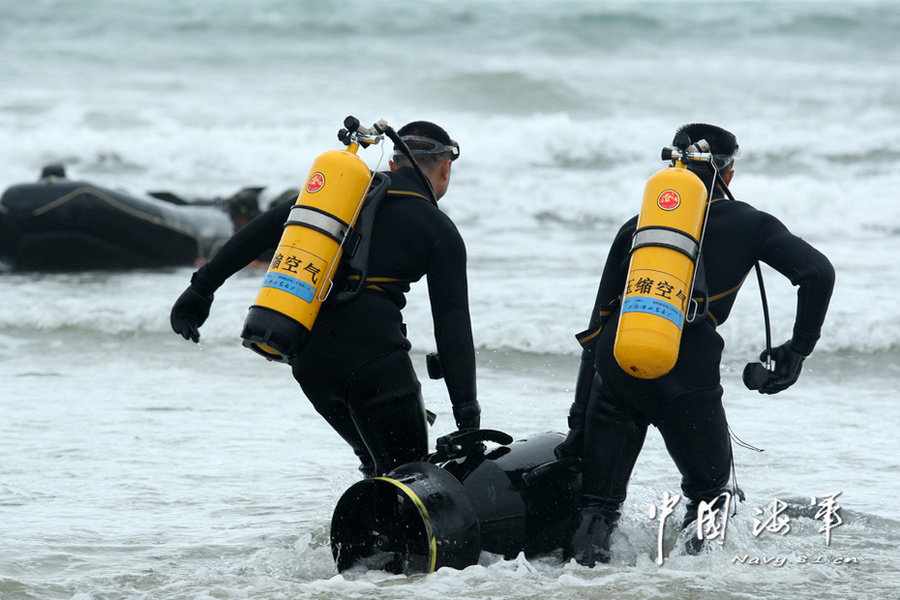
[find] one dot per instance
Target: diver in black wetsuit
(355, 367)
(609, 417)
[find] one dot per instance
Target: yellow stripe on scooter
(423, 512)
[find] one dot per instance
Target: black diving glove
(573, 445)
(467, 415)
(190, 312)
(788, 362)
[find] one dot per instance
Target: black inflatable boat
(56, 224)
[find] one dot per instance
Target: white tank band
(667, 238)
(318, 220)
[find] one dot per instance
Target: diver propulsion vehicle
(461, 500)
(665, 257)
(317, 234)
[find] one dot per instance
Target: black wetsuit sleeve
(805, 267)
(608, 297)
(260, 234)
(448, 292)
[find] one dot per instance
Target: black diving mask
(434, 147)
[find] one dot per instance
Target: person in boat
(355, 368)
(243, 207)
(611, 411)
(53, 172)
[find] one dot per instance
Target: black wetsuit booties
(685, 404)
(355, 367)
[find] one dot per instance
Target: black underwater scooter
(457, 502)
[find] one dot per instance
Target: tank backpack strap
(355, 262)
(699, 296)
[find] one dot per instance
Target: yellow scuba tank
(664, 254)
(299, 278)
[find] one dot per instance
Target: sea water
(134, 464)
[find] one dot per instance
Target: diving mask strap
(398, 141)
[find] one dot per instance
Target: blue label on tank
(653, 306)
(291, 285)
